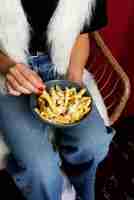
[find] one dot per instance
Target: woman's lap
(27, 136)
(15, 113)
(22, 131)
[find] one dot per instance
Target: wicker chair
(111, 79)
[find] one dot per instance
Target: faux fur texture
(14, 30)
(64, 27)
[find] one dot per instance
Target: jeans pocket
(44, 67)
(47, 71)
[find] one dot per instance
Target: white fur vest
(70, 15)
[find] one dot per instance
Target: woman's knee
(88, 150)
(99, 149)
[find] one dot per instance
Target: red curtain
(119, 35)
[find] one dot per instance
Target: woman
(41, 41)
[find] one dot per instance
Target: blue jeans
(81, 148)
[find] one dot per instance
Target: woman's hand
(22, 80)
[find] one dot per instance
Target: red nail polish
(39, 92)
(41, 88)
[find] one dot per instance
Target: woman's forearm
(80, 54)
(5, 63)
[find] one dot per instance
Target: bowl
(63, 84)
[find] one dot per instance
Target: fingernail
(39, 87)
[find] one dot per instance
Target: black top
(39, 14)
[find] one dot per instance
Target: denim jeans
(81, 148)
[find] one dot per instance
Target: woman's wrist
(5, 63)
(8, 67)
(75, 74)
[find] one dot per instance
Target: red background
(119, 36)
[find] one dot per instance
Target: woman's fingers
(31, 76)
(11, 90)
(22, 81)
(16, 86)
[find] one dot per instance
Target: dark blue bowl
(63, 84)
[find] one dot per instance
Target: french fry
(53, 95)
(66, 97)
(59, 91)
(45, 95)
(81, 93)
